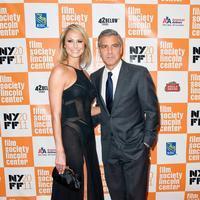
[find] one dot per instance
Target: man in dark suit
(129, 119)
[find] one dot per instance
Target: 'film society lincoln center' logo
(18, 152)
(140, 21)
(11, 20)
(14, 89)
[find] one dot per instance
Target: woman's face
(74, 44)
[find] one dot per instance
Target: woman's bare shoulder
(60, 70)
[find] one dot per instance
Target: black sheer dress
(79, 140)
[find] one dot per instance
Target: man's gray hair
(110, 32)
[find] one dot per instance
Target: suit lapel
(121, 85)
(99, 86)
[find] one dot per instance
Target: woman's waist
(75, 119)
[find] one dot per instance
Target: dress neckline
(73, 67)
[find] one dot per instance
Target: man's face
(110, 50)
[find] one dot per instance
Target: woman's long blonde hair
(86, 56)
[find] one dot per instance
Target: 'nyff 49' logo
(171, 148)
(194, 177)
(15, 181)
(9, 55)
(141, 53)
(20, 181)
(15, 120)
(195, 118)
(196, 54)
(41, 20)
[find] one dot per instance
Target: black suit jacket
(134, 118)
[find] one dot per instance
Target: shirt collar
(116, 69)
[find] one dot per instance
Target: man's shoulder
(133, 67)
(96, 73)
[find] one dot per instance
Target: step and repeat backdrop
(163, 35)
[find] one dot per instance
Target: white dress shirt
(115, 75)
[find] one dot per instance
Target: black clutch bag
(68, 178)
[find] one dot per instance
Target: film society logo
(173, 118)
(141, 21)
(41, 54)
(20, 182)
(41, 120)
(193, 148)
(14, 89)
(41, 20)
(18, 152)
(11, 23)
(173, 55)
(171, 178)
(80, 14)
(195, 22)
(194, 87)
(43, 181)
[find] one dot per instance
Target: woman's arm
(56, 85)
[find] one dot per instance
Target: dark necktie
(109, 92)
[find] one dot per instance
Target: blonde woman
(71, 95)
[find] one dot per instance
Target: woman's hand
(95, 110)
(60, 161)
